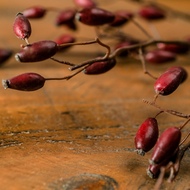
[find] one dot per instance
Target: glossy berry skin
(67, 18)
(22, 27)
(95, 16)
(25, 82)
(151, 13)
(85, 3)
(37, 51)
(5, 54)
(146, 136)
(179, 48)
(34, 12)
(169, 81)
(166, 145)
(100, 67)
(159, 56)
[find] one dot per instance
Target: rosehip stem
(62, 62)
(171, 112)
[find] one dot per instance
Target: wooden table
(82, 130)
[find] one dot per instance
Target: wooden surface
(81, 130)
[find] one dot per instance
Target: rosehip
(66, 17)
(5, 54)
(22, 27)
(180, 48)
(100, 67)
(95, 16)
(37, 51)
(25, 82)
(151, 13)
(146, 136)
(166, 145)
(169, 81)
(159, 56)
(85, 3)
(34, 12)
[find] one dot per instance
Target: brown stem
(62, 62)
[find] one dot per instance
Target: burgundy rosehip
(160, 56)
(169, 81)
(22, 27)
(25, 82)
(146, 136)
(85, 3)
(100, 67)
(151, 12)
(121, 18)
(95, 16)
(37, 51)
(5, 54)
(67, 18)
(179, 48)
(34, 12)
(166, 145)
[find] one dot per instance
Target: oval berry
(151, 13)
(159, 56)
(179, 48)
(166, 145)
(66, 17)
(85, 3)
(5, 54)
(25, 82)
(121, 18)
(34, 12)
(169, 81)
(146, 136)
(37, 51)
(22, 27)
(100, 67)
(95, 16)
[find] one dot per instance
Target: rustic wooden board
(82, 129)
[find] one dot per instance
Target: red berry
(121, 18)
(146, 136)
(169, 81)
(34, 12)
(66, 17)
(95, 16)
(151, 13)
(100, 67)
(159, 56)
(37, 51)
(25, 82)
(22, 27)
(166, 145)
(180, 48)
(85, 3)
(5, 54)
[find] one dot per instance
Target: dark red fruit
(67, 18)
(180, 48)
(85, 3)
(34, 12)
(95, 16)
(169, 81)
(121, 18)
(146, 136)
(25, 82)
(151, 13)
(166, 145)
(22, 27)
(37, 51)
(159, 56)
(5, 54)
(100, 67)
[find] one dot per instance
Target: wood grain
(81, 131)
